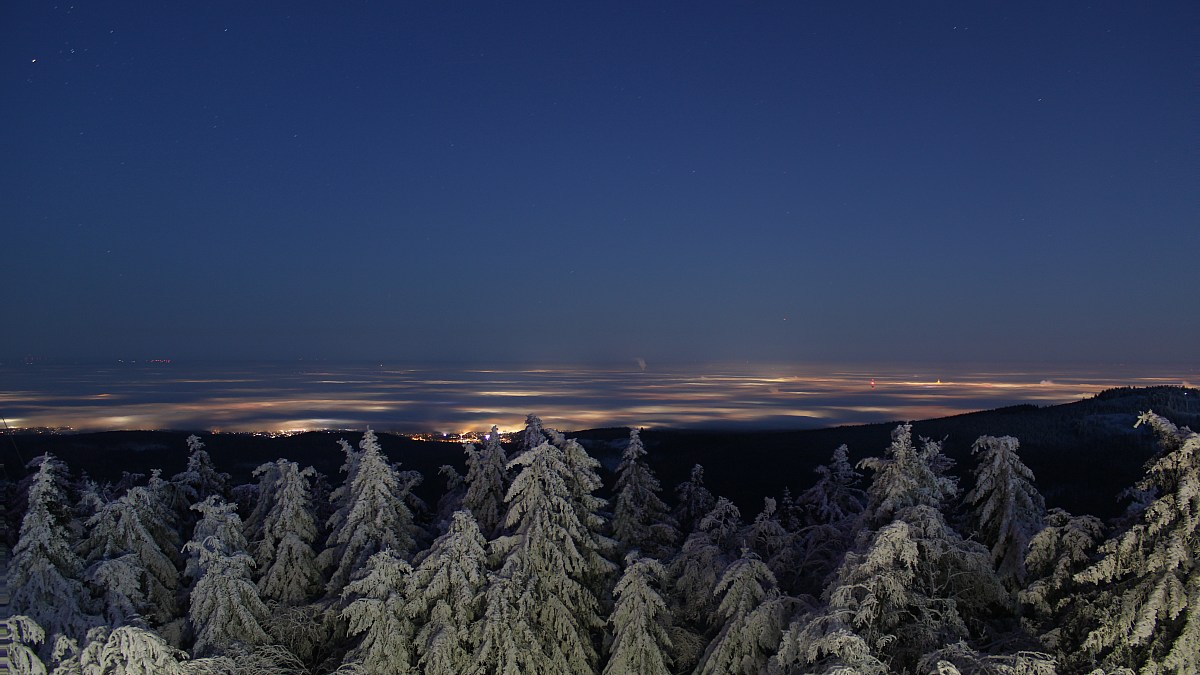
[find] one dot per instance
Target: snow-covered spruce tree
(199, 480)
(1008, 509)
(1055, 606)
(640, 620)
(118, 530)
(641, 520)
(698, 566)
(828, 517)
(44, 573)
(960, 658)
(119, 582)
(695, 501)
(225, 607)
(553, 554)
(834, 498)
(285, 554)
(583, 480)
(268, 478)
(125, 650)
(487, 483)
(769, 539)
(339, 497)
(906, 477)
(509, 640)
(378, 610)
(217, 519)
(533, 435)
(825, 644)
(751, 617)
(1147, 614)
(23, 637)
(446, 591)
(916, 585)
(376, 517)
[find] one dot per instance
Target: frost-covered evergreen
(770, 540)
(510, 642)
(264, 500)
(487, 483)
(640, 518)
(906, 477)
(553, 554)
(217, 519)
(119, 583)
(834, 498)
(751, 619)
(533, 435)
(44, 572)
(379, 612)
(24, 634)
(825, 644)
(640, 621)
(285, 555)
(697, 569)
(694, 500)
(125, 650)
(916, 585)
(198, 481)
(827, 519)
(1055, 606)
(225, 607)
(1008, 508)
(1147, 615)
(446, 591)
(375, 516)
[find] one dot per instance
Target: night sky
(571, 181)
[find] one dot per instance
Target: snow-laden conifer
(835, 498)
(510, 642)
(827, 516)
(555, 554)
(824, 644)
(915, 586)
(1008, 508)
(1055, 606)
(487, 483)
(640, 621)
(640, 518)
(446, 591)
(124, 650)
(285, 555)
(24, 635)
(198, 480)
(533, 435)
(119, 583)
(751, 619)
(375, 517)
(961, 659)
(906, 477)
(225, 607)
(698, 567)
(583, 480)
(694, 500)
(217, 519)
(1148, 612)
(44, 572)
(268, 478)
(380, 613)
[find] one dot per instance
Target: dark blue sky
(578, 181)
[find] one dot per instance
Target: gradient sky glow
(588, 181)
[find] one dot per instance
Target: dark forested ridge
(968, 544)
